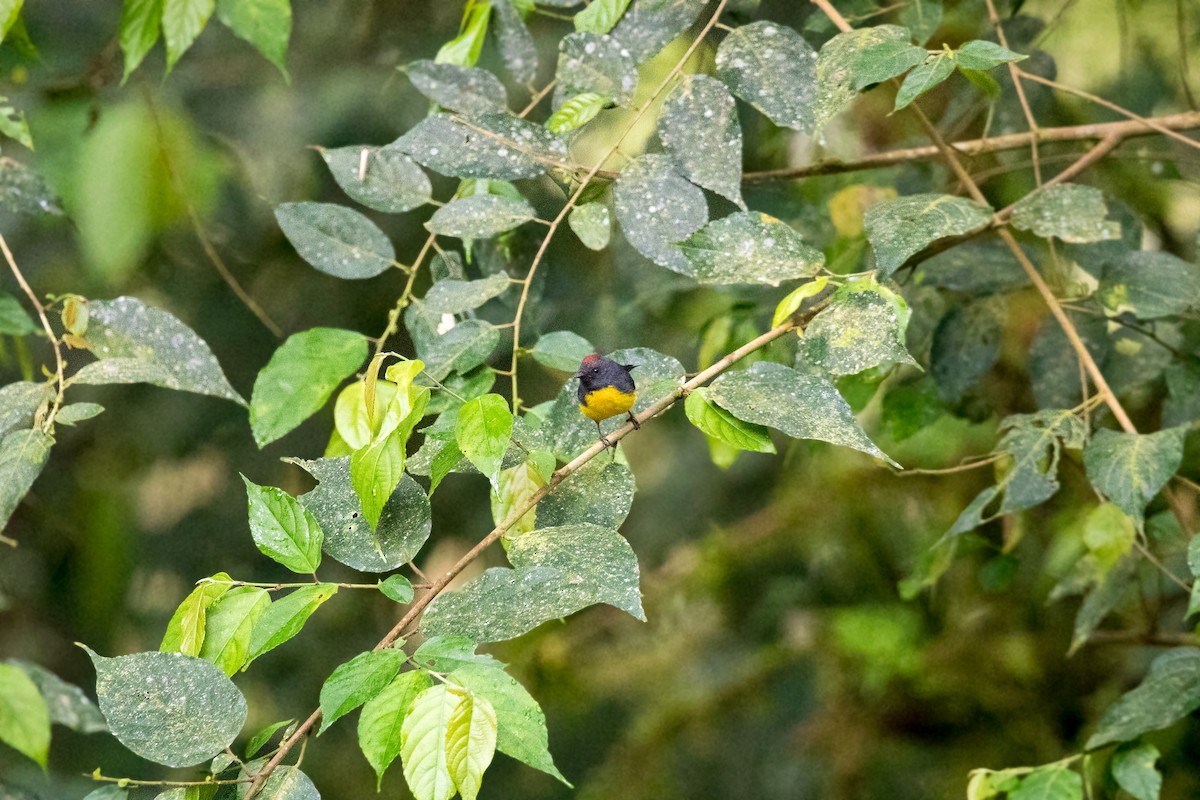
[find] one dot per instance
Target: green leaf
(285, 783)
(862, 328)
(14, 125)
(381, 723)
(517, 48)
(1049, 783)
(514, 487)
(263, 735)
(114, 792)
(397, 588)
(1169, 692)
(600, 17)
(772, 68)
(966, 345)
(376, 470)
(447, 458)
(562, 350)
(167, 707)
(448, 653)
(1067, 211)
(24, 718)
(336, 240)
(699, 127)
(300, 377)
(983, 55)
(470, 743)
(77, 412)
(467, 90)
(480, 216)
(10, 12)
(20, 401)
(750, 247)
(718, 423)
(790, 304)
(228, 626)
(357, 681)
(460, 349)
(975, 267)
(141, 22)
(482, 432)
(382, 178)
(139, 344)
(1113, 590)
(802, 406)
(522, 725)
(458, 297)
(1131, 468)
(67, 703)
(1133, 768)
(1034, 442)
(1109, 534)
(182, 21)
(402, 529)
(852, 61)
(924, 77)
(598, 493)
(589, 64)
(265, 24)
(902, 227)
(185, 631)
(1151, 285)
(23, 454)
(283, 529)
(577, 112)
(24, 191)
(922, 17)
(592, 224)
(423, 743)
(284, 618)
(491, 146)
(557, 571)
(982, 81)
(656, 208)
(650, 25)
(464, 49)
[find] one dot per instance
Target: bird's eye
(595, 370)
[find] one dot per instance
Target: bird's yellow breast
(606, 402)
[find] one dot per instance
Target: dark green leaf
(852, 61)
(1133, 768)
(862, 328)
(600, 16)
(480, 216)
(182, 21)
(750, 247)
(650, 25)
(966, 344)
(300, 377)
(600, 493)
(924, 77)
(1150, 285)
(592, 224)
(77, 412)
(167, 707)
(13, 319)
(285, 783)
(381, 722)
(397, 588)
(904, 226)
(517, 47)
(20, 401)
(24, 718)
(467, 90)
(720, 424)
(699, 127)
(562, 350)
(1169, 692)
(23, 454)
(382, 178)
(284, 618)
(656, 208)
(802, 406)
(458, 297)
(139, 344)
(1113, 591)
(356, 682)
(402, 529)
(266, 24)
(141, 22)
(592, 64)
(336, 240)
(283, 529)
(67, 703)
(557, 571)
(1131, 468)
(983, 55)
(773, 69)
(492, 146)
(977, 268)
(1067, 211)
(263, 735)
(982, 81)
(24, 191)
(922, 17)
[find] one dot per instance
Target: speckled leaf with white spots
(1068, 211)
(592, 63)
(495, 146)
(772, 68)
(657, 207)
(851, 61)
(1169, 693)
(750, 247)
(649, 25)
(23, 454)
(283, 529)
(385, 178)
(457, 297)
(1131, 468)
(467, 90)
(169, 708)
(285, 783)
(802, 406)
(863, 327)
(338, 241)
(403, 526)
(1150, 284)
(460, 349)
(904, 226)
(592, 223)
(556, 572)
(699, 127)
(480, 216)
(19, 401)
(600, 492)
(517, 48)
(139, 344)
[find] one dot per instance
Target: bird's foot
(637, 426)
(604, 440)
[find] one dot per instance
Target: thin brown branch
(1097, 152)
(974, 147)
(59, 364)
(1015, 74)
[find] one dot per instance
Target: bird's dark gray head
(596, 372)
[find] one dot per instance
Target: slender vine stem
(59, 363)
(1015, 74)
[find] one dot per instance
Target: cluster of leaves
(443, 708)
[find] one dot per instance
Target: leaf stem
(60, 365)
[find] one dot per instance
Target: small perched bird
(606, 389)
